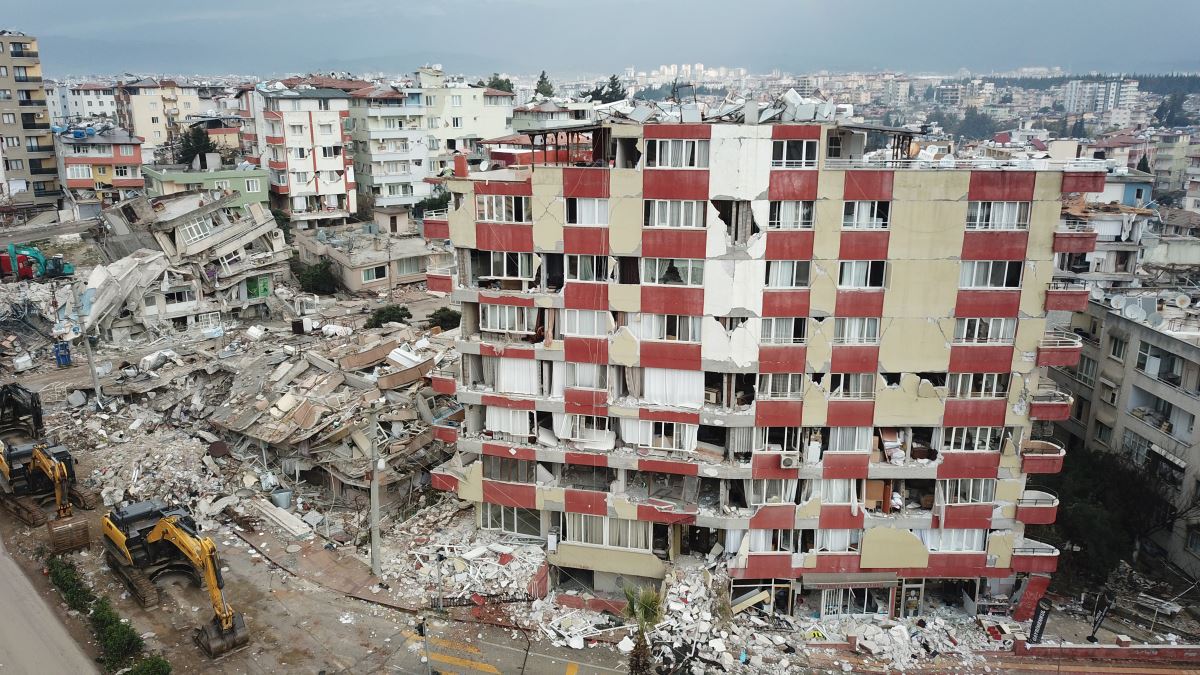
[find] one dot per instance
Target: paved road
(32, 639)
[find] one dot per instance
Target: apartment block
(1113, 229)
(391, 143)
(155, 110)
(1135, 392)
(99, 167)
(30, 174)
(86, 100)
(459, 115)
(299, 133)
(249, 182)
(751, 342)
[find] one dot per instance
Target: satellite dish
(1096, 293)
(1155, 319)
(1117, 301)
(1182, 301)
(485, 165)
(1134, 313)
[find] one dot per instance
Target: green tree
(1143, 164)
(439, 200)
(1078, 130)
(1006, 97)
(1170, 111)
(445, 318)
(544, 86)
(644, 606)
(976, 126)
(929, 93)
(389, 314)
(497, 82)
(151, 665)
(195, 141)
(318, 278)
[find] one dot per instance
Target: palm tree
(644, 606)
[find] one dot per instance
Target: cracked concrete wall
(739, 345)
(816, 406)
(891, 547)
(461, 221)
(1025, 344)
(733, 285)
(748, 148)
(607, 559)
(625, 211)
(827, 216)
(915, 344)
(1000, 544)
(913, 402)
(549, 208)
(470, 487)
(819, 350)
(625, 297)
(624, 348)
(822, 289)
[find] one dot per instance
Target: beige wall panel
(888, 547)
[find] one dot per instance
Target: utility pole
(373, 421)
(87, 343)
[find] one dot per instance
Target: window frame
(660, 214)
(863, 388)
(804, 209)
(767, 334)
(869, 271)
(575, 270)
(864, 214)
(780, 386)
(690, 267)
(783, 149)
(575, 210)
(967, 330)
(982, 215)
(800, 275)
(978, 385)
(692, 153)
(990, 274)
(871, 337)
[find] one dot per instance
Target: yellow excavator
(67, 532)
(146, 539)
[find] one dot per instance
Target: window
(1135, 446)
(998, 216)
(1103, 433)
(587, 268)
(299, 153)
(674, 213)
(179, 295)
(154, 120)
(677, 154)
(374, 273)
(505, 265)
(121, 171)
(866, 215)
(506, 318)
(953, 541)
(587, 375)
(79, 171)
(456, 122)
(456, 100)
(978, 385)
(503, 209)
(195, 230)
(781, 385)
(783, 331)
(856, 331)
(329, 151)
(1085, 372)
(221, 184)
(667, 327)
(1193, 536)
(582, 211)
(126, 150)
(430, 100)
(673, 271)
(8, 118)
(787, 273)
(862, 274)
(984, 331)
(790, 215)
(253, 185)
(5, 94)
(12, 142)
(326, 129)
(771, 491)
(990, 274)
(794, 154)
(582, 528)
(511, 519)
(852, 385)
(1117, 348)
(1108, 393)
(972, 439)
(968, 490)
(297, 129)
(838, 541)
(322, 104)
(663, 435)
(586, 428)
(850, 439)
(432, 123)
(586, 323)
(14, 164)
(157, 135)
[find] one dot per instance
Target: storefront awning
(868, 580)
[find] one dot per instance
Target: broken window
(990, 274)
(790, 215)
(506, 265)
(783, 331)
(772, 491)
(937, 379)
(800, 154)
(862, 274)
(506, 318)
(582, 528)
(777, 439)
(673, 271)
(850, 439)
(852, 385)
(586, 211)
(781, 386)
(509, 470)
(587, 267)
(179, 295)
(677, 153)
(674, 213)
(952, 540)
(586, 428)
(738, 218)
(866, 215)
(586, 323)
(985, 331)
(856, 331)
(967, 490)
(627, 154)
(503, 209)
(787, 274)
(978, 385)
(627, 270)
(587, 375)
(512, 519)
(998, 215)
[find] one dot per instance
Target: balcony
(1066, 296)
(1050, 404)
(1037, 507)
(1059, 348)
(36, 125)
(1075, 236)
(39, 148)
(952, 164)
(1029, 555)
(1042, 456)
(43, 170)
(444, 381)
(47, 193)
(23, 53)
(27, 78)
(30, 104)
(440, 279)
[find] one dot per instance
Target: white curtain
(689, 435)
(679, 388)
(517, 376)
(633, 432)
(643, 326)
(760, 541)
(833, 540)
(562, 424)
(740, 439)
(556, 381)
(733, 540)
(516, 422)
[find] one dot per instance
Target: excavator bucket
(216, 642)
(68, 534)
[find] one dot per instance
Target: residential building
(459, 115)
(215, 262)
(1084, 96)
(31, 176)
(553, 115)
(300, 135)
(99, 167)
(222, 130)
(747, 342)
(391, 144)
(365, 259)
(1191, 200)
(248, 181)
(1121, 225)
(1171, 160)
(1135, 392)
(155, 110)
(88, 100)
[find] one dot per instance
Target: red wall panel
(585, 295)
(585, 182)
(868, 185)
(504, 237)
(585, 240)
(974, 412)
(586, 501)
(974, 304)
(998, 245)
(789, 245)
(781, 358)
(854, 359)
(673, 242)
(845, 464)
(792, 185)
(794, 132)
(850, 414)
(673, 300)
(981, 358)
(675, 184)
(586, 350)
(854, 303)
(677, 131)
(510, 494)
(670, 355)
(785, 303)
(996, 185)
(768, 413)
(495, 187)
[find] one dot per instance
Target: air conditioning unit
(789, 461)
(711, 396)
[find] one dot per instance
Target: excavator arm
(202, 553)
(56, 471)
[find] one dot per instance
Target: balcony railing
(30, 104)
(39, 148)
(47, 193)
(27, 78)
(437, 214)
(43, 171)
(24, 53)
(1037, 497)
(1075, 226)
(35, 125)
(953, 163)
(1031, 547)
(1057, 337)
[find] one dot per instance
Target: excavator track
(25, 508)
(85, 498)
(140, 585)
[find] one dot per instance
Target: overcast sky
(568, 37)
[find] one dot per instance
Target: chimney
(460, 166)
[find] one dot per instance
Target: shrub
(66, 578)
(118, 640)
(390, 313)
(445, 318)
(151, 665)
(318, 278)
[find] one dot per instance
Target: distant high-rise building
(1083, 96)
(30, 174)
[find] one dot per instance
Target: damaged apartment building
(187, 261)
(741, 336)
